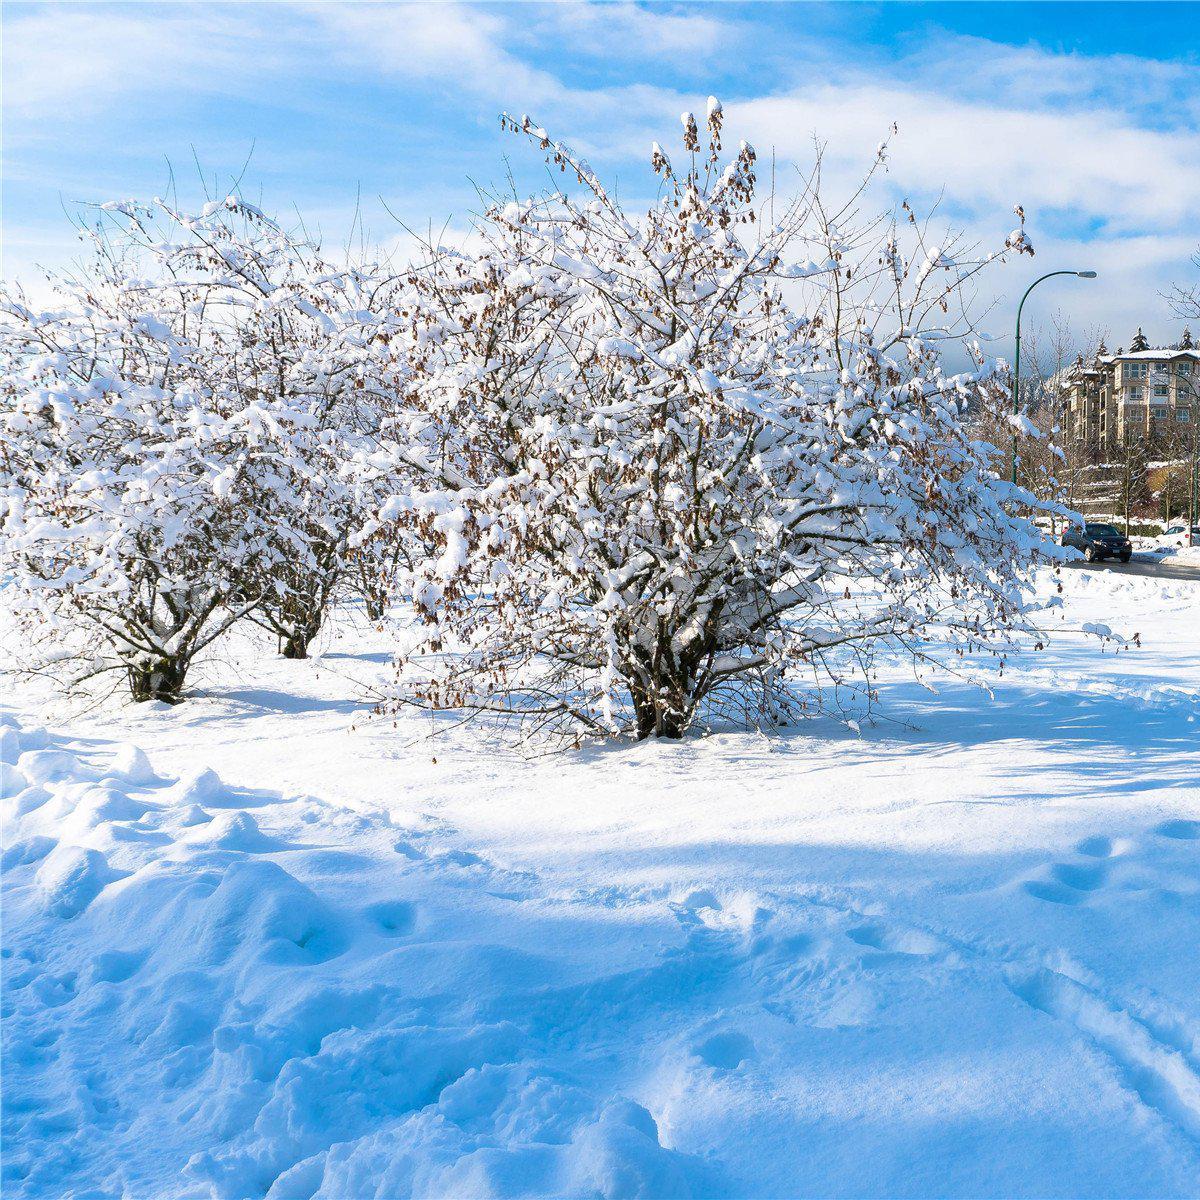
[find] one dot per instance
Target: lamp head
(1086, 274)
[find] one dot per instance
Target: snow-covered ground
(1173, 545)
(285, 949)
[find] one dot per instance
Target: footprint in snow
(1071, 883)
(699, 912)
(459, 858)
(1081, 877)
(694, 901)
(116, 966)
(1097, 846)
(53, 990)
(1180, 830)
(725, 1051)
(739, 915)
(1053, 893)
(1149, 1052)
(894, 940)
(464, 868)
(392, 918)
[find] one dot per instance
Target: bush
(179, 442)
(669, 464)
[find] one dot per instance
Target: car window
(1102, 529)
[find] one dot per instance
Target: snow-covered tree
(1184, 298)
(175, 441)
(674, 460)
(298, 370)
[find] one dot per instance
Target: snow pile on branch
(671, 462)
(178, 435)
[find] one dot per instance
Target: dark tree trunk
(374, 605)
(662, 712)
(298, 624)
(159, 680)
(371, 591)
(295, 644)
(644, 712)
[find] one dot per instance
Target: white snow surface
(263, 945)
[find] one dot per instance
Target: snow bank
(184, 1012)
(952, 954)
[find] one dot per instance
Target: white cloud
(1103, 151)
(1092, 163)
(630, 31)
(451, 45)
(76, 60)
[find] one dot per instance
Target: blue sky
(1087, 114)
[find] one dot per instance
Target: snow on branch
(688, 456)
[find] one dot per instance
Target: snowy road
(953, 956)
(1148, 566)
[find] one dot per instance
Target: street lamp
(1193, 394)
(1017, 357)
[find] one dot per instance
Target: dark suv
(1098, 541)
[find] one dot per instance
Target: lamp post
(1193, 394)
(1194, 506)
(1194, 498)
(1017, 357)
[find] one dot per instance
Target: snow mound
(201, 787)
(43, 766)
(71, 878)
(130, 763)
(305, 1043)
(612, 1153)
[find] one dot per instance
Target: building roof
(1093, 369)
(1164, 352)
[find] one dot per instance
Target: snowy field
(262, 944)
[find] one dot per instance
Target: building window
(1183, 414)
(1160, 389)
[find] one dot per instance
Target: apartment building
(1146, 391)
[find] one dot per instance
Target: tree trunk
(374, 604)
(299, 626)
(663, 711)
(643, 708)
(159, 680)
(671, 724)
(295, 644)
